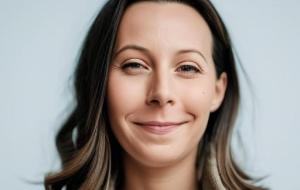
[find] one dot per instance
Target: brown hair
(93, 159)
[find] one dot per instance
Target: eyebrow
(145, 50)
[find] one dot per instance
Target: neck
(182, 175)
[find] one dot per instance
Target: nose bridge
(161, 90)
(161, 81)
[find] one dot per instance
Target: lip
(159, 128)
(158, 123)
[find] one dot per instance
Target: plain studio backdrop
(39, 46)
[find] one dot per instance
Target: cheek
(124, 95)
(197, 103)
(197, 96)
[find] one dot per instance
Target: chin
(162, 156)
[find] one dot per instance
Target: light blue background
(39, 44)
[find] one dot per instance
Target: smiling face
(162, 71)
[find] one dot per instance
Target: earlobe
(220, 89)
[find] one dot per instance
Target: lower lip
(159, 130)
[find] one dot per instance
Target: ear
(220, 89)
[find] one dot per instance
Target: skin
(158, 87)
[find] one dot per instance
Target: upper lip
(158, 123)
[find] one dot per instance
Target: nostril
(154, 101)
(160, 102)
(161, 98)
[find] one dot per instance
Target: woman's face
(162, 71)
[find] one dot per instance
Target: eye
(132, 65)
(133, 68)
(189, 69)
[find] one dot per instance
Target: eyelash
(132, 64)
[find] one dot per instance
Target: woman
(157, 96)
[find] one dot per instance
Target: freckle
(203, 92)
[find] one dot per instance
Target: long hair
(93, 159)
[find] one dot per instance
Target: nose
(160, 91)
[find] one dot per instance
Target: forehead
(164, 24)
